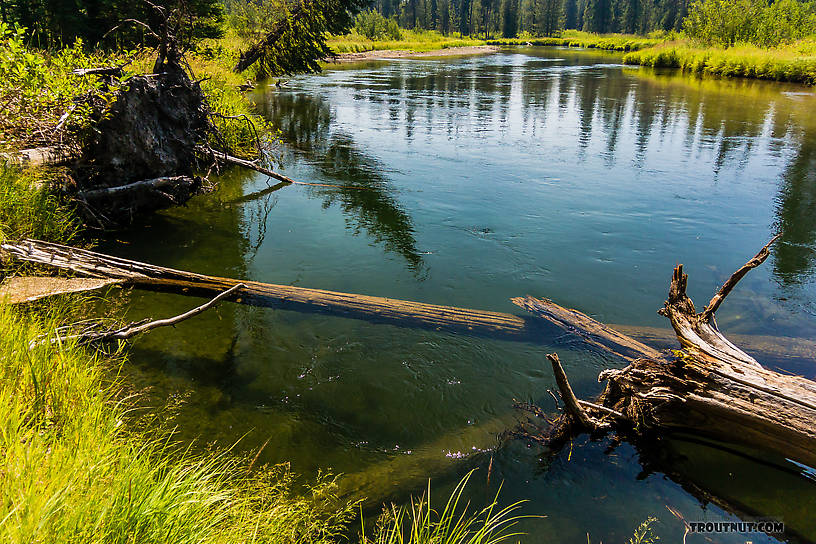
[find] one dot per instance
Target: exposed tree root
(711, 388)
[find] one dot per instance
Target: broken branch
(567, 395)
(134, 329)
(717, 299)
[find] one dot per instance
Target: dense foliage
(374, 26)
(728, 22)
(37, 89)
(510, 18)
(56, 22)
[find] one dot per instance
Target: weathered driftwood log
(712, 388)
(121, 203)
(40, 156)
(127, 272)
(163, 186)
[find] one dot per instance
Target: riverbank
(80, 465)
(587, 40)
(85, 459)
(432, 41)
(794, 62)
(417, 41)
(409, 54)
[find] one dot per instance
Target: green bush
(726, 23)
(785, 21)
(374, 26)
(37, 88)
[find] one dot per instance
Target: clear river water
(556, 173)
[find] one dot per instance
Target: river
(556, 173)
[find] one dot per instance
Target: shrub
(725, 23)
(37, 88)
(374, 26)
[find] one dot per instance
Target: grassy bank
(429, 40)
(794, 62)
(587, 40)
(79, 466)
(410, 40)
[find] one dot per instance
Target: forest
(764, 23)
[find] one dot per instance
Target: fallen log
(128, 190)
(711, 388)
(625, 341)
(380, 309)
(40, 156)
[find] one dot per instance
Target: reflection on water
(305, 124)
(541, 171)
(796, 207)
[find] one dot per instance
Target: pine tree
(630, 17)
(570, 14)
(598, 16)
(509, 18)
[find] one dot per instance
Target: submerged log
(20, 290)
(711, 388)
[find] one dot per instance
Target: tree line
(713, 22)
(511, 18)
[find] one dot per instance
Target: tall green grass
(29, 210)
(793, 62)
(587, 40)
(419, 523)
(75, 470)
(79, 466)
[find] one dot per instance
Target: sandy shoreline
(395, 54)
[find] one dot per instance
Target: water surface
(556, 173)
